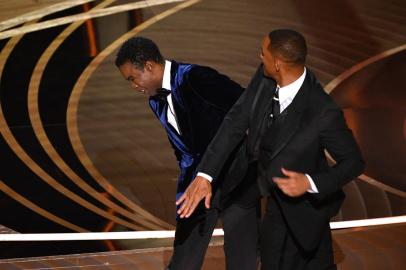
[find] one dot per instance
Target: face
(145, 81)
(268, 59)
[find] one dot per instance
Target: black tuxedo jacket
(314, 123)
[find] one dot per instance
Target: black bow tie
(162, 93)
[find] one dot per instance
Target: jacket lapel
(182, 119)
(260, 106)
(293, 119)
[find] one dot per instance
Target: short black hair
(290, 44)
(138, 50)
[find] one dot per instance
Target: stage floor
(373, 248)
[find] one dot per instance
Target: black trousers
(280, 251)
(193, 235)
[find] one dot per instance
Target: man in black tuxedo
(289, 121)
(191, 101)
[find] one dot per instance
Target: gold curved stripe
(19, 151)
(374, 182)
(74, 102)
(10, 140)
(83, 16)
(346, 74)
(33, 110)
(37, 14)
(382, 186)
(30, 163)
(22, 200)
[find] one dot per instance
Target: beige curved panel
(32, 165)
(39, 13)
(73, 108)
(42, 137)
(346, 74)
(16, 196)
(82, 16)
(382, 186)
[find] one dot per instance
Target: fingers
(281, 182)
(185, 200)
(207, 201)
(185, 205)
(292, 185)
(288, 173)
(287, 186)
(189, 208)
(193, 203)
(181, 199)
(190, 203)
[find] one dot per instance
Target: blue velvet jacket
(201, 98)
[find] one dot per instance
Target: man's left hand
(296, 184)
(197, 190)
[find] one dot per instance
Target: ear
(277, 64)
(149, 65)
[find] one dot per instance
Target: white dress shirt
(166, 83)
(286, 96)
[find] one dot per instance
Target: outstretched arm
(230, 133)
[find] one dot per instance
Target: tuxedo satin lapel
(266, 86)
(293, 119)
(264, 100)
(178, 85)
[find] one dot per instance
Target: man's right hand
(198, 189)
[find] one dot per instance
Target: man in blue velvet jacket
(191, 101)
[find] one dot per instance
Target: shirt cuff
(206, 176)
(313, 188)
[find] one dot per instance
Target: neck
(160, 73)
(289, 75)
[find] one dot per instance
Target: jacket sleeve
(231, 132)
(339, 141)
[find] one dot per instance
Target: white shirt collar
(166, 80)
(289, 91)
